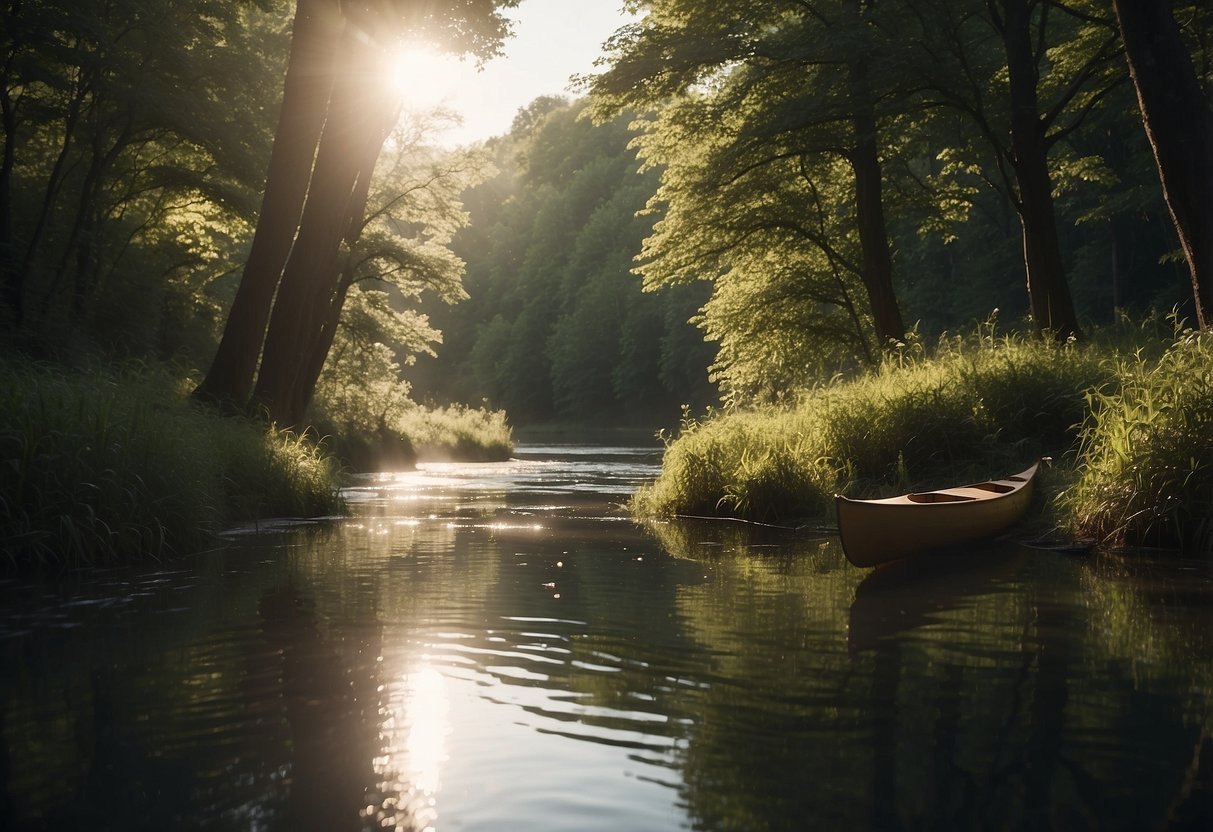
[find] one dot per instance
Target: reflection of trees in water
(978, 699)
(328, 699)
(785, 688)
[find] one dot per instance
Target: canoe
(878, 531)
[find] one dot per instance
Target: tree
(771, 127)
(303, 278)
(120, 121)
(556, 326)
(1179, 123)
(309, 81)
(1051, 68)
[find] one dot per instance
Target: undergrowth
(970, 407)
(114, 464)
(1145, 469)
(458, 433)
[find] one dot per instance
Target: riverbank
(116, 463)
(1131, 437)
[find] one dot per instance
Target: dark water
(497, 647)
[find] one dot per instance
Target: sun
(424, 76)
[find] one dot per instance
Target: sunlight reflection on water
(492, 657)
(414, 733)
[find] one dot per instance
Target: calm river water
(498, 647)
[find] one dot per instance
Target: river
(500, 647)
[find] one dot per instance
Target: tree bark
(13, 278)
(328, 332)
(1179, 124)
(309, 82)
(349, 144)
(1048, 293)
(877, 263)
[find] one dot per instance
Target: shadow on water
(498, 647)
(330, 709)
(908, 594)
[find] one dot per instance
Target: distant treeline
(556, 327)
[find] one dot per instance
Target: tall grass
(115, 464)
(459, 433)
(1145, 471)
(970, 407)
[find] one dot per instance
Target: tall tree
(877, 262)
(1179, 123)
(757, 103)
(1051, 66)
(309, 80)
(357, 124)
(345, 131)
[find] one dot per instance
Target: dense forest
(804, 182)
(556, 327)
(827, 179)
(748, 200)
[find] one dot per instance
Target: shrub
(116, 463)
(1146, 462)
(972, 406)
(458, 432)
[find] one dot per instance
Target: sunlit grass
(116, 464)
(1145, 473)
(459, 433)
(969, 408)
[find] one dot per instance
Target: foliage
(972, 405)
(114, 464)
(1145, 467)
(753, 127)
(556, 326)
(133, 148)
(458, 432)
(362, 398)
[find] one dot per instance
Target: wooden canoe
(878, 531)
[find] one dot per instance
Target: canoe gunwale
(877, 531)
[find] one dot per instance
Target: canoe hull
(878, 531)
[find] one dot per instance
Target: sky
(553, 40)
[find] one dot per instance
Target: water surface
(499, 647)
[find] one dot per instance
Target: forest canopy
(764, 192)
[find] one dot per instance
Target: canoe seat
(937, 497)
(1014, 479)
(997, 488)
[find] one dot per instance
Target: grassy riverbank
(1130, 436)
(1145, 464)
(114, 464)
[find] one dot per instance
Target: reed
(114, 464)
(1145, 466)
(969, 407)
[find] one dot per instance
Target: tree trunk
(324, 343)
(54, 184)
(1179, 123)
(309, 82)
(350, 143)
(1048, 293)
(12, 277)
(877, 264)
(80, 246)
